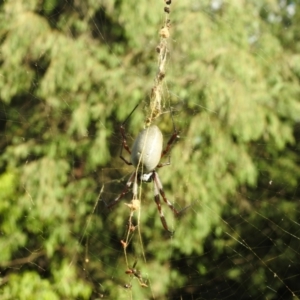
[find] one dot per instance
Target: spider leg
(131, 179)
(159, 187)
(160, 165)
(161, 191)
(158, 203)
(124, 145)
(171, 141)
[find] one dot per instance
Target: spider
(146, 153)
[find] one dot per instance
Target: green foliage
(70, 74)
(11, 236)
(31, 286)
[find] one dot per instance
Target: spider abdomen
(147, 148)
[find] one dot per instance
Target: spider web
(240, 237)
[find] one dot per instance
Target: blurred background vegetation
(70, 73)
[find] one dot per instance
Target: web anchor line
(155, 105)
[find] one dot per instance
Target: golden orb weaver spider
(146, 153)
